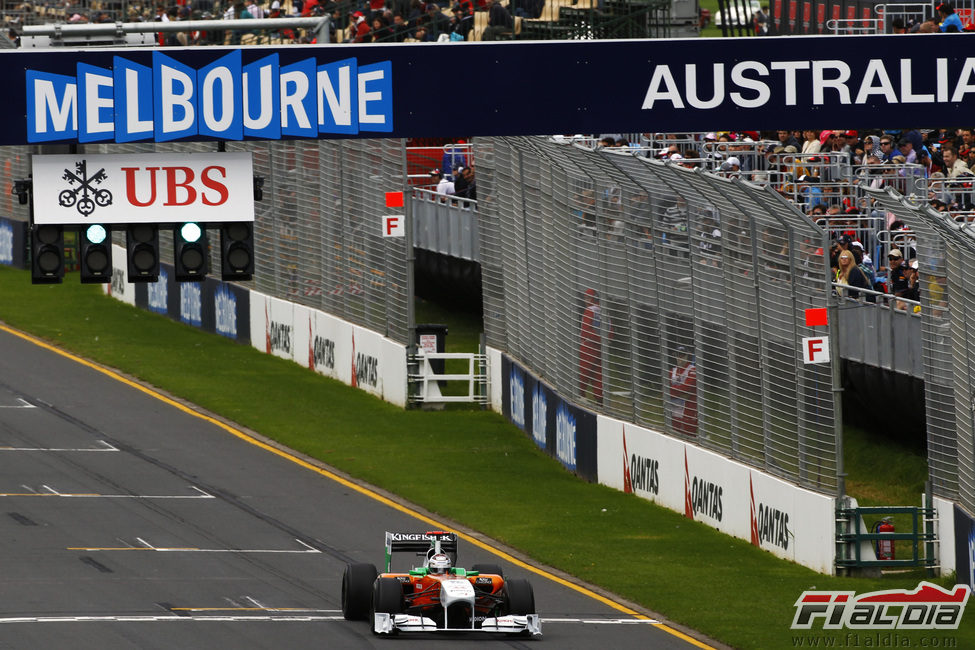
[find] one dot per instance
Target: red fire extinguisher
(884, 547)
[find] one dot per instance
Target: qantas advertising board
(324, 91)
(774, 515)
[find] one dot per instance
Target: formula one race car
(437, 596)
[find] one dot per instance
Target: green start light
(96, 233)
(191, 232)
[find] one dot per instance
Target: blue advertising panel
(227, 312)
(213, 305)
(13, 242)
(515, 88)
(563, 430)
(964, 547)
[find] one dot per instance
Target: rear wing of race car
(421, 544)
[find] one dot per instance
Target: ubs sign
(154, 188)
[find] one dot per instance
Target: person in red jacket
(359, 27)
(591, 348)
(683, 394)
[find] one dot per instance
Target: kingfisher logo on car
(408, 537)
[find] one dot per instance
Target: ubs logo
(85, 196)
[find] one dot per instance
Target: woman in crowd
(850, 274)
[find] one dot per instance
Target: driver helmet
(439, 564)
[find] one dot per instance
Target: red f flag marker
(394, 199)
(816, 316)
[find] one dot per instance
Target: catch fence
(671, 259)
(946, 262)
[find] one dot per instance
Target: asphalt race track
(129, 522)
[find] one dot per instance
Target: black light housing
(47, 254)
(237, 250)
(191, 257)
(95, 248)
(142, 252)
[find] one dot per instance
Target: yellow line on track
(349, 484)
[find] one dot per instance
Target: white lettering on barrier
(539, 416)
(754, 84)
(6, 242)
(516, 387)
(565, 436)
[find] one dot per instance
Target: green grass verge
(708, 581)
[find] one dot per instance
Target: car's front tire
(357, 584)
(519, 597)
(387, 598)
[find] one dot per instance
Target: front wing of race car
(392, 623)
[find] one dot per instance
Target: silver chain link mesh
(945, 253)
(677, 259)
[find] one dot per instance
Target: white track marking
(192, 549)
(51, 492)
(253, 618)
(168, 619)
(104, 447)
(604, 621)
(24, 404)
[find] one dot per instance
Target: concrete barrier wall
(773, 514)
(326, 344)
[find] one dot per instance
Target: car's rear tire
(387, 597)
(488, 568)
(519, 597)
(357, 591)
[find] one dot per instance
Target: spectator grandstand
(352, 21)
(832, 185)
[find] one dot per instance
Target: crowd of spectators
(352, 21)
(411, 21)
(824, 173)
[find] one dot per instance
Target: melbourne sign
(151, 188)
(224, 99)
(326, 91)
